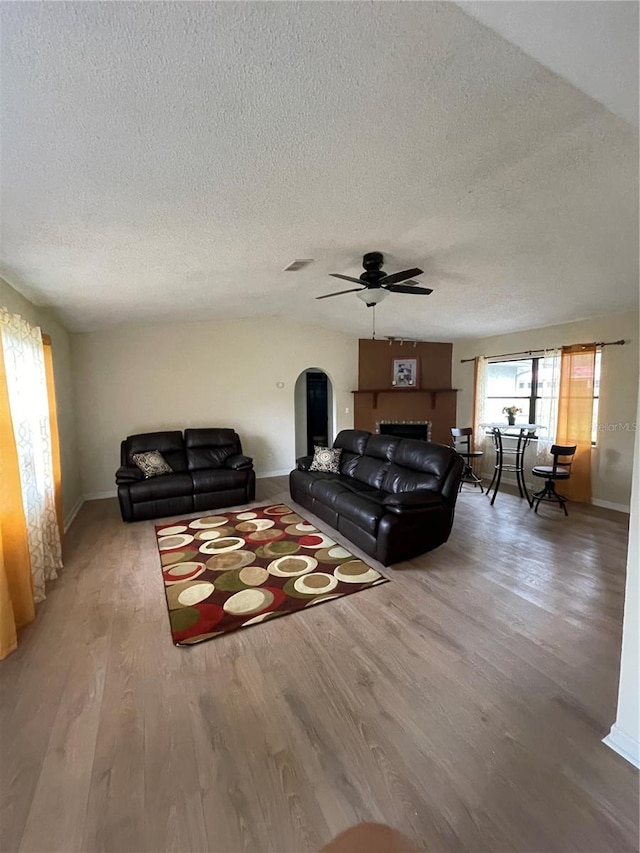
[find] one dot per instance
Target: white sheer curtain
(548, 390)
(29, 405)
(479, 402)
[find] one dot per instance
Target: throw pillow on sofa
(326, 459)
(152, 463)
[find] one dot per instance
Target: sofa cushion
(417, 465)
(305, 480)
(212, 437)
(417, 499)
(358, 488)
(352, 442)
(371, 471)
(424, 456)
(152, 463)
(348, 463)
(399, 479)
(217, 480)
(158, 488)
(210, 448)
(169, 443)
(382, 447)
(361, 510)
(328, 491)
(207, 457)
(326, 459)
(372, 467)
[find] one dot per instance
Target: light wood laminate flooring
(463, 703)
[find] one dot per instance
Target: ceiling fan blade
(403, 275)
(340, 292)
(346, 277)
(402, 288)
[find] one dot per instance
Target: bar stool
(462, 445)
(560, 470)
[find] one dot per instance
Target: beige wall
(613, 456)
(138, 379)
(60, 344)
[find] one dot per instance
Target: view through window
(527, 383)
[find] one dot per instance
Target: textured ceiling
(593, 45)
(165, 161)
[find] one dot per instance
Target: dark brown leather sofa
(209, 471)
(394, 497)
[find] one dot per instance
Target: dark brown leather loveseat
(393, 497)
(209, 471)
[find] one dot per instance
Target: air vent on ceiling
(298, 264)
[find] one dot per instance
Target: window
(520, 382)
(526, 382)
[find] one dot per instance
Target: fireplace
(405, 429)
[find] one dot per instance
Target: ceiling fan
(376, 284)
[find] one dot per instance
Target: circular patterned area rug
(237, 569)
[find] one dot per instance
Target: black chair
(560, 470)
(462, 439)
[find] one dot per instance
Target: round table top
(502, 426)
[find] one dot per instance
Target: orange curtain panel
(575, 414)
(55, 438)
(16, 590)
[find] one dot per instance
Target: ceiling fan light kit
(372, 297)
(375, 284)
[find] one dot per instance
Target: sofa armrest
(128, 475)
(418, 499)
(451, 485)
(304, 463)
(238, 462)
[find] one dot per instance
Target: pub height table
(515, 455)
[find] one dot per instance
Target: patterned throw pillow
(152, 464)
(326, 459)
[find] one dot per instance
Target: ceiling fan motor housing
(372, 262)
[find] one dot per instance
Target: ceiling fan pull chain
(374, 322)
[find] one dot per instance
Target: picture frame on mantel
(405, 373)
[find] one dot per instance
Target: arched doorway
(313, 410)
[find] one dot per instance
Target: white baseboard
(264, 474)
(624, 745)
(98, 496)
(509, 480)
(610, 505)
(75, 510)
(533, 486)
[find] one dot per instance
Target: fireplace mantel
(433, 391)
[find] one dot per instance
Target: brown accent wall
(375, 372)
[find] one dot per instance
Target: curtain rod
(532, 351)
